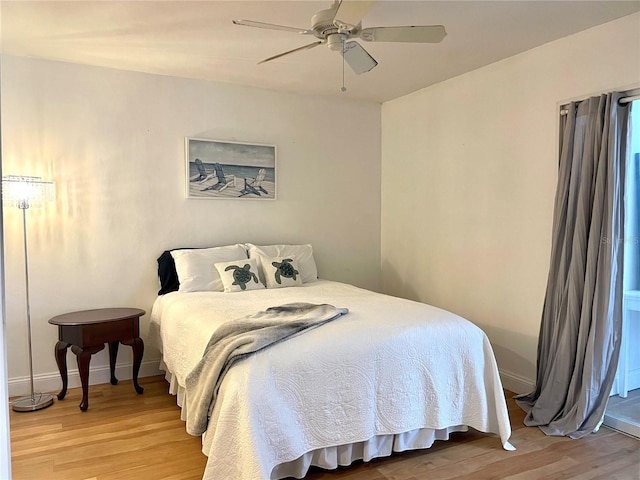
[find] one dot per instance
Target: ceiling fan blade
(419, 34)
(299, 49)
(271, 26)
(358, 58)
(350, 12)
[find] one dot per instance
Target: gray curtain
(579, 340)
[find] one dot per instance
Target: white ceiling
(197, 39)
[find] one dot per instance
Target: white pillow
(195, 266)
(281, 272)
(239, 275)
(303, 254)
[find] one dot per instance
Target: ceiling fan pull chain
(343, 88)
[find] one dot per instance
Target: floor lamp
(25, 192)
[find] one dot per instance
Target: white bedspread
(390, 366)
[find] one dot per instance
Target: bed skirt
(330, 458)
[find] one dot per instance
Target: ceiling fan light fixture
(335, 42)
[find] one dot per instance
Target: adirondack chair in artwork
(223, 181)
(202, 172)
(254, 185)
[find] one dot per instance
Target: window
(623, 409)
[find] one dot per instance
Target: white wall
(5, 443)
(468, 183)
(113, 142)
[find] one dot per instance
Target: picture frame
(223, 169)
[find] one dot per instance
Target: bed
(390, 375)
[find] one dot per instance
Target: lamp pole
(36, 401)
(24, 207)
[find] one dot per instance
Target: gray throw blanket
(238, 338)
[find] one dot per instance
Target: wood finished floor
(127, 436)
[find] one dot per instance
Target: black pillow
(167, 273)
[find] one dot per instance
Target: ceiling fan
(340, 24)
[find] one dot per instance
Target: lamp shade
(25, 192)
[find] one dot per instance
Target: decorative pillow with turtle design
(239, 275)
(303, 254)
(281, 272)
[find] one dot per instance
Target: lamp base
(32, 403)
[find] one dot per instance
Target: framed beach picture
(223, 169)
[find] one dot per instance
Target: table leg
(61, 360)
(84, 357)
(138, 350)
(113, 354)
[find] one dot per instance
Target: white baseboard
(52, 383)
(516, 383)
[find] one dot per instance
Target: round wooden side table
(86, 332)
